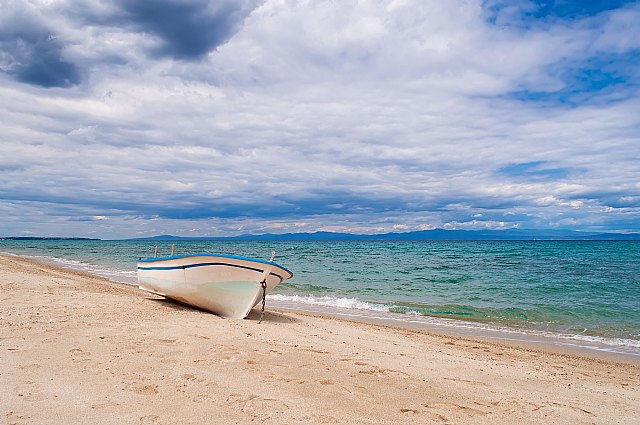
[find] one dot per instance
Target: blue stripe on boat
(235, 257)
(188, 266)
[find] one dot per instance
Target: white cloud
(348, 116)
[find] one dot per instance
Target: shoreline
(83, 349)
(551, 346)
(500, 334)
(476, 331)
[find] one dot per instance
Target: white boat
(226, 285)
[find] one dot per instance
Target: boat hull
(225, 285)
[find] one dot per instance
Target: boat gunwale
(227, 256)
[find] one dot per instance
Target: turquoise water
(588, 289)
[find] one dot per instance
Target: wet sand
(80, 349)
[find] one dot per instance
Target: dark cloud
(188, 29)
(614, 198)
(32, 54)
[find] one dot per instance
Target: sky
(132, 118)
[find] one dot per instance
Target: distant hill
(43, 238)
(424, 235)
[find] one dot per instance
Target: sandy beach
(77, 349)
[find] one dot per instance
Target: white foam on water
(624, 342)
(355, 308)
(120, 276)
(339, 302)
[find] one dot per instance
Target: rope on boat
(265, 275)
(264, 296)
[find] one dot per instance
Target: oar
(263, 283)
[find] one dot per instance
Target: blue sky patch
(535, 170)
(604, 78)
(529, 13)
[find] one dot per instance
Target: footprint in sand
(230, 356)
(149, 419)
(446, 406)
(409, 411)
(32, 366)
(321, 419)
(374, 371)
(144, 389)
(80, 354)
(199, 336)
(105, 405)
(262, 408)
(29, 390)
(190, 379)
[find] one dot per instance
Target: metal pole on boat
(267, 270)
(173, 248)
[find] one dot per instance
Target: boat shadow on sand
(254, 315)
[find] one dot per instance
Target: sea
(578, 294)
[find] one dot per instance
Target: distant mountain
(424, 235)
(43, 238)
